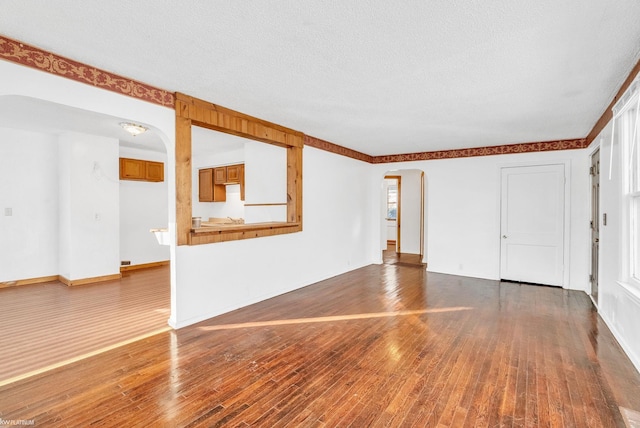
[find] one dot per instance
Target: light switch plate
(8, 212)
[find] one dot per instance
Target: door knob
(504, 236)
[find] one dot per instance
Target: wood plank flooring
(385, 345)
(48, 324)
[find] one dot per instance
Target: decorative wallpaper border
(334, 148)
(545, 146)
(607, 115)
(31, 56)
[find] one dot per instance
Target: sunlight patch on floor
(331, 318)
(81, 357)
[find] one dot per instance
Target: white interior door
(532, 224)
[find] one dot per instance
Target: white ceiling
(37, 115)
(376, 76)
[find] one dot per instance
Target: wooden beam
(212, 116)
(183, 179)
(191, 111)
(294, 184)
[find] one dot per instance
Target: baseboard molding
(620, 339)
(144, 266)
(82, 281)
(28, 281)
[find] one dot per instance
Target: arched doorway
(62, 280)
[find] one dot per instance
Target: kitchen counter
(219, 232)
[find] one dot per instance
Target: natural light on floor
(331, 318)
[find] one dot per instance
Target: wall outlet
(8, 212)
(125, 263)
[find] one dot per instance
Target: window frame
(390, 204)
(627, 131)
(190, 112)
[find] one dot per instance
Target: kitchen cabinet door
(233, 174)
(220, 175)
(205, 185)
(132, 169)
(154, 171)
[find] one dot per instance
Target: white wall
(266, 182)
(618, 304)
(143, 206)
(338, 216)
(90, 208)
(29, 177)
(463, 212)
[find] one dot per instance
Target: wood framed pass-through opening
(194, 112)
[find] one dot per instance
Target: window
(392, 186)
(392, 201)
(632, 191)
(627, 126)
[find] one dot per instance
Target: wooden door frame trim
(398, 217)
(192, 111)
(596, 222)
(422, 216)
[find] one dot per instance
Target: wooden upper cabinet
(205, 183)
(154, 171)
(220, 175)
(213, 181)
(229, 174)
(131, 169)
(141, 170)
(233, 173)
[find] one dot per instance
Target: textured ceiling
(376, 76)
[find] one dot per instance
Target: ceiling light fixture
(133, 128)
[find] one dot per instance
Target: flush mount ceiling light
(133, 128)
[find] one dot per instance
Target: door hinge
(590, 278)
(592, 171)
(591, 224)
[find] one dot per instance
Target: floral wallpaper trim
(545, 146)
(334, 148)
(30, 56)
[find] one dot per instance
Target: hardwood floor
(385, 345)
(390, 257)
(49, 324)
